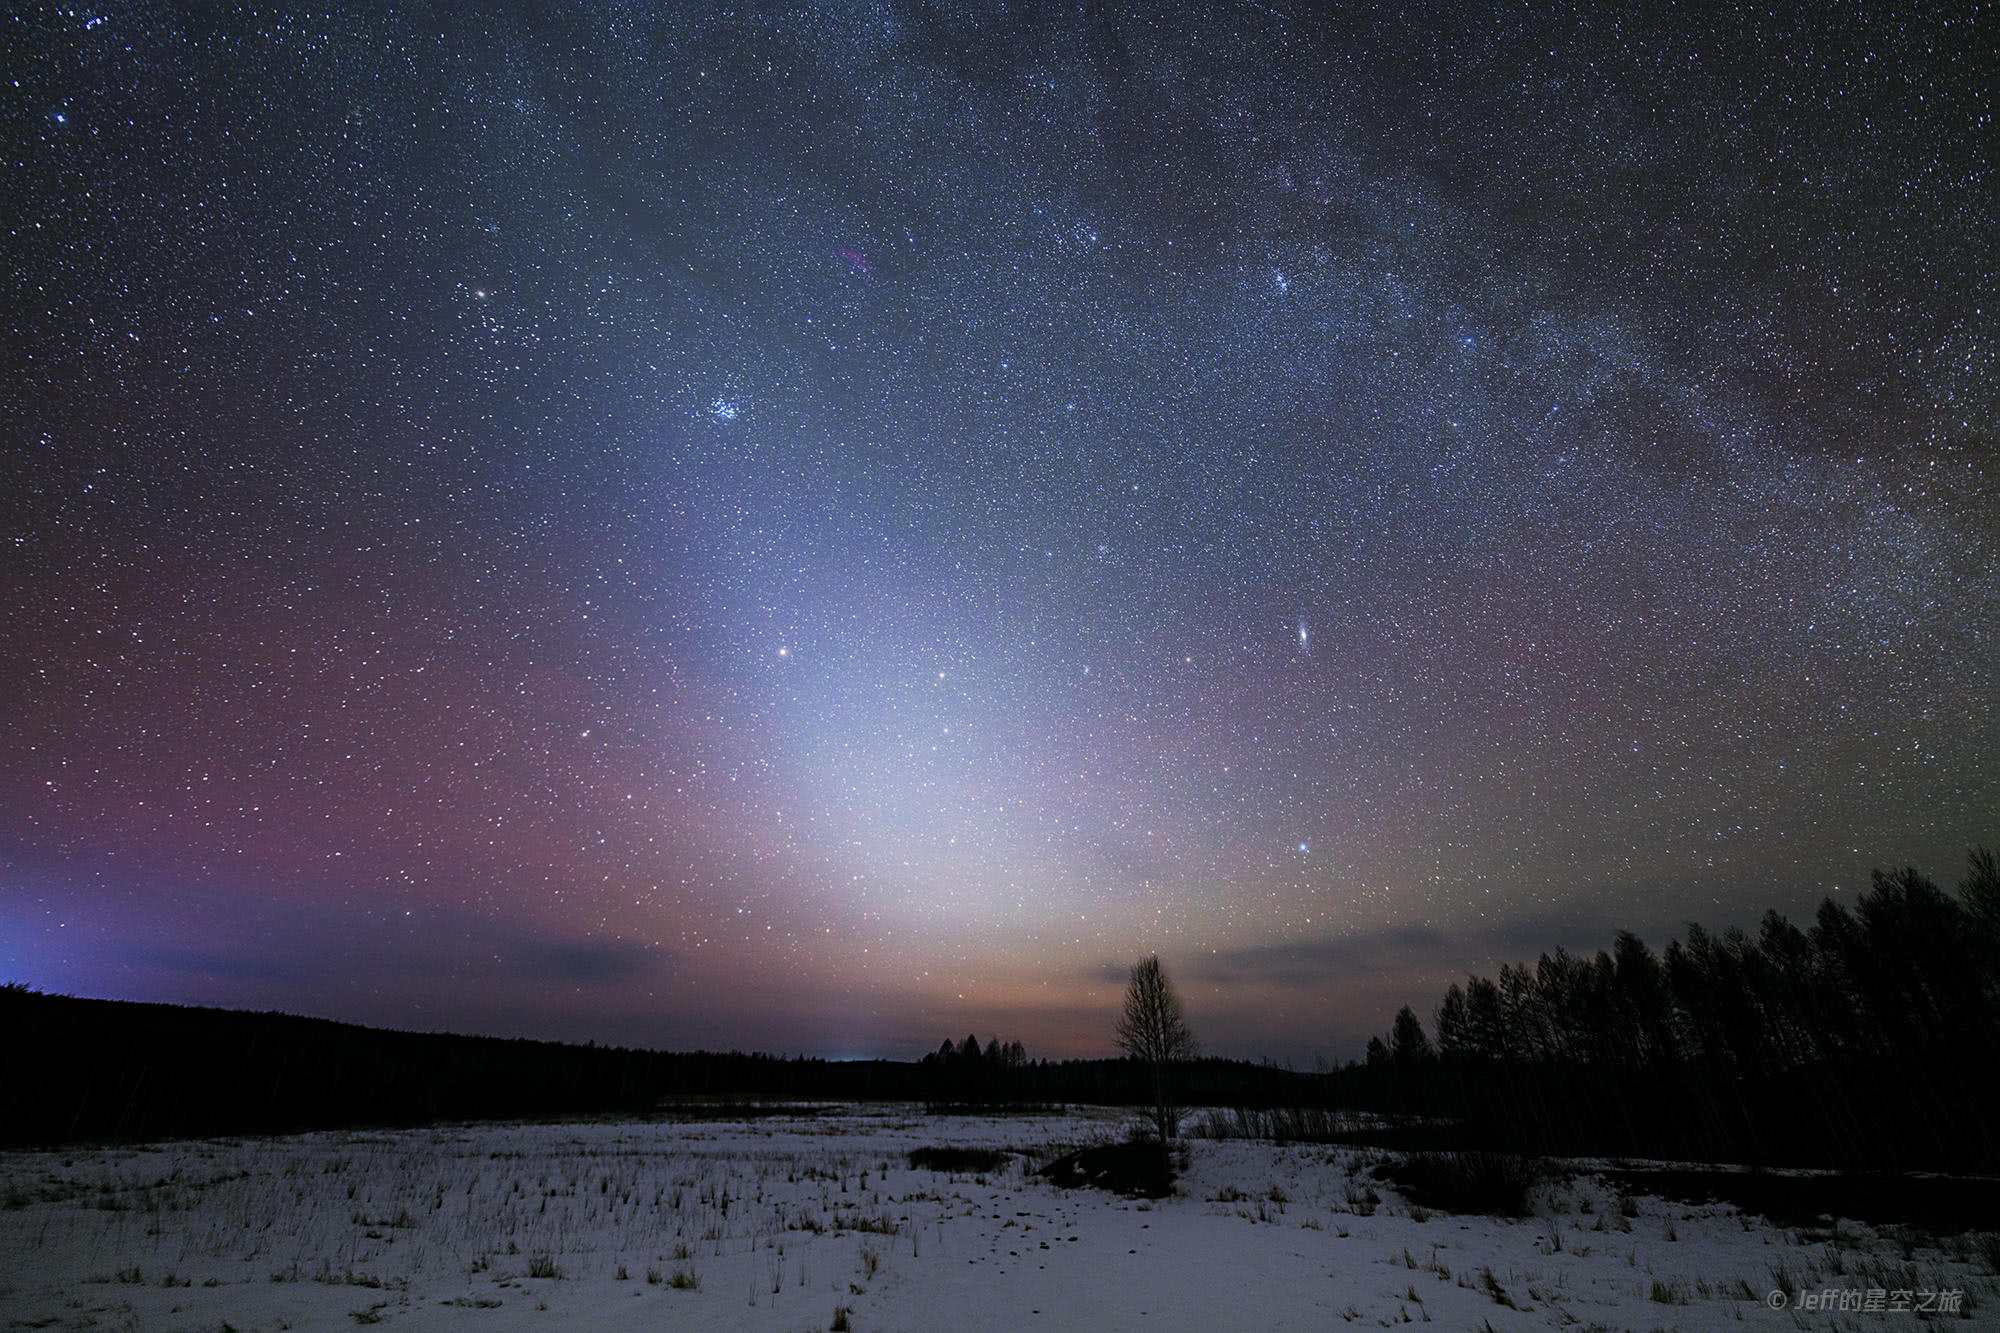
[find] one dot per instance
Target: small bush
(957, 1159)
(1497, 1184)
(544, 1265)
(684, 1279)
(1281, 1125)
(1140, 1170)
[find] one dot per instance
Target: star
(1034, 407)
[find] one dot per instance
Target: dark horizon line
(585, 1044)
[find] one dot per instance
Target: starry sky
(819, 528)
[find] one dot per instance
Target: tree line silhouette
(967, 1075)
(1869, 1040)
(969, 1055)
(84, 1070)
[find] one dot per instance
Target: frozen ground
(816, 1222)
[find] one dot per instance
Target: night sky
(819, 529)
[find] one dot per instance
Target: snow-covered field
(818, 1222)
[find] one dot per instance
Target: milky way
(819, 529)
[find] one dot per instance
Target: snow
(781, 1222)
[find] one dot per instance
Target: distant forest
(1870, 1041)
(111, 1070)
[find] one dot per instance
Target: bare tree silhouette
(1152, 1029)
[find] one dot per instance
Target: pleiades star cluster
(822, 527)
